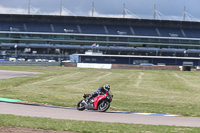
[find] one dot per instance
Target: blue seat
(11, 26)
(65, 28)
(192, 33)
(145, 31)
(38, 27)
(92, 29)
(170, 32)
(119, 30)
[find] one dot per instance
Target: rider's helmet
(106, 87)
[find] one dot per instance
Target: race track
(13, 74)
(72, 114)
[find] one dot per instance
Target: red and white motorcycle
(100, 103)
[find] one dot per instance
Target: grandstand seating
(38, 27)
(170, 32)
(9, 26)
(98, 29)
(145, 31)
(173, 50)
(193, 51)
(65, 28)
(121, 48)
(146, 49)
(92, 29)
(120, 30)
(192, 32)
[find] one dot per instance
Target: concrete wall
(25, 63)
(69, 64)
(139, 67)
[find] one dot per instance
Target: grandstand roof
(140, 56)
(98, 20)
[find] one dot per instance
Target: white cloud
(33, 10)
(96, 14)
(5, 10)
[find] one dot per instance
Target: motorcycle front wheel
(80, 106)
(103, 106)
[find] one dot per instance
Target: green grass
(87, 126)
(170, 92)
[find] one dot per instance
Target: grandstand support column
(182, 31)
(29, 7)
(132, 31)
(158, 32)
(93, 9)
(61, 6)
(79, 28)
(105, 28)
(154, 12)
(184, 14)
(52, 28)
(25, 27)
(124, 11)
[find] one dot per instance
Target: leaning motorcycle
(100, 103)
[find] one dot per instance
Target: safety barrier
(26, 63)
(123, 66)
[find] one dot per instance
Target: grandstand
(57, 37)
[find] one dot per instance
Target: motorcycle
(100, 103)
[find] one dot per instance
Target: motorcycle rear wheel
(103, 106)
(80, 106)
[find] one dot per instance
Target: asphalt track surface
(73, 114)
(13, 74)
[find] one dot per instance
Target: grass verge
(169, 92)
(87, 126)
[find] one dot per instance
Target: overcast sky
(168, 9)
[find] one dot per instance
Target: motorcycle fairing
(97, 99)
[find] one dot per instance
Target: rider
(100, 90)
